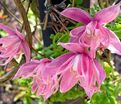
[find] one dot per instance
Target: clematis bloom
(94, 35)
(43, 82)
(77, 67)
(12, 45)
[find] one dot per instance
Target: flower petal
(101, 74)
(69, 79)
(26, 50)
(77, 14)
(77, 31)
(114, 43)
(108, 14)
(92, 75)
(27, 69)
(73, 47)
(59, 64)
(7, 29)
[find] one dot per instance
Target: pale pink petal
(7, 29)
(73, 47)
(20, 35)
(101, 74)
(77, 31)
(77, 14)
(8, 41)
(55, 67)
(27, 69)
(114, 43)
(69, 79)
(35, 85)
(92, 75)
(108, 14)
(91, 39)
(26, 50)
(10, 51)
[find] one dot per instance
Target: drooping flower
(94, 35)
(43, 82)
(12, 45)
(77, 68)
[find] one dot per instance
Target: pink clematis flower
(43, 82)
(94, 35)
(77, 68)
(12, 45)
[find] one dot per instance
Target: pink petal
(114, 43)
(27, 69)
(20, 35)
(101, 74)
(8, 41)
(10, 51)
(73, 47)
(69, 79)
(35, 85)
(57, 65)
(77, 31)
(26, 50)
(92, 75)
(108, 14)
(91, 38)
(7, 29)
(77, 14)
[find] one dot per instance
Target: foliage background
(20, 89)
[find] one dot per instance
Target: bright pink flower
(78, 68)
(12, 45)
(94, 35)
(44, 83)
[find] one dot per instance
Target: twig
(73, 3)
(10, 12)
(26, 14)
(38, 52)
(25, 20)
(61, 22)
(46, 20)
(8, 75)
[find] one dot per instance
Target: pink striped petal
(114, 44)
(108, 14)
(92, 75)
(61, 61)
(27, 69)
(77, 14)
(77, 31)
(7, 29)
(73, 47)
(26, 50)
(69, 79)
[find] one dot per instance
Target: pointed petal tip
(77, 14)
(108, 14)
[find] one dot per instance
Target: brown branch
(8, 75)
(7, 10)
(26, 14)
(11, 74)
(59, 19)
(25, 20)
